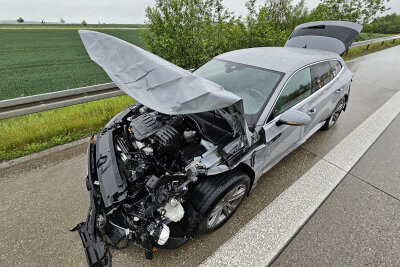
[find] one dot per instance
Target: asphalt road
(358, 225)
(43, 198)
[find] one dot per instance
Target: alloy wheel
(228, 204)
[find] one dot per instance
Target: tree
(273, 22)
(20, 20)
(43, 22)
(62, 20)
(387, 24)
(360, 11)
(84, 23)
(189, 32)
(321, 12)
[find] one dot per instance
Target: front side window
(296, 89)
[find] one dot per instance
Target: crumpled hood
(153, 81)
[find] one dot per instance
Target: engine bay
(140, 171)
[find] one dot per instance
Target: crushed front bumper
(105, 226)
(96, 249)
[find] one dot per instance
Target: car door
(324, 94)
(282, 139)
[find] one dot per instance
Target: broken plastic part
(164, 235)
(174, 210)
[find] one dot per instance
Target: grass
(368, 36)
(24, 135)
(361, 50)
(42, 61)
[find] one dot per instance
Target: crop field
(368, 36)
(41, 61)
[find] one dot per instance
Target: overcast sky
(107, 11)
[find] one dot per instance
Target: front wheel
(335, 115)
(216, 198)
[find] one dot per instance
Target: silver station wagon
(185, 155)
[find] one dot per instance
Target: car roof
(283, 59)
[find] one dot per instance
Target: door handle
(311, 111)
(338, 91)
(274, 139)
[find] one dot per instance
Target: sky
(106, 11)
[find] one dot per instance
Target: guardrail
(374, 41)
(42, 102)
(37, 103)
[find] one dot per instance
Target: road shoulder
(358, 225)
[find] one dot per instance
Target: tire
(329, 122)
(216, 198)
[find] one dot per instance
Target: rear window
(344, 34)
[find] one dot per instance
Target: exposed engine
(144, 197)
(157, 144)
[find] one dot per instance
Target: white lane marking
(260, 241)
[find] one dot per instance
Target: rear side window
(336, 67)
(321, 75)
(296, 89)
(324, 72)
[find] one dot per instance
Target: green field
(41, 61)
(368, 36)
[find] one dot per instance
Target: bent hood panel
(153, 81)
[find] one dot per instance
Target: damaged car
(182, 158)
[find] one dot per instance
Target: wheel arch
(346, 99)
(249, 170)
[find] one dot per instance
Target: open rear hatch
(332, 36)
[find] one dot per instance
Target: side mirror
(293, 117)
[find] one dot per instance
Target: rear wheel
(216, 198)
(335, 115)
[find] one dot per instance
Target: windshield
(254, 85)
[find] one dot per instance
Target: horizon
(106, 12)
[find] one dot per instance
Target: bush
(190, 32)
(389, 24)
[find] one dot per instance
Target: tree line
(62, 20)
(387, 24)
(190, 32)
